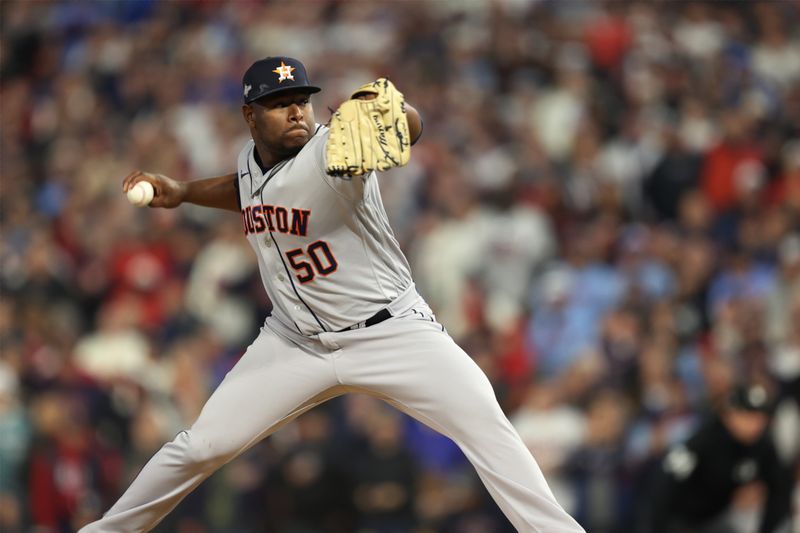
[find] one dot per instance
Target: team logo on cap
(247, 89)
(284, 72)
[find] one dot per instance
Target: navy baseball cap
(272, 75)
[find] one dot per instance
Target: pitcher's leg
(272, 383)
(424, 373)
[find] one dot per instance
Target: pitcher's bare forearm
(414, 123)
(219, 192)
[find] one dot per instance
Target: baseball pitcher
(346, 315)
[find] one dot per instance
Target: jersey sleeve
(243, 173)
(238, 192)
(349, 187)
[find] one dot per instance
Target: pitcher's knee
(199, 450)
(481, 404)
(478, 412)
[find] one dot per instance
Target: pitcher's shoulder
(244, 153)
(320, 136)
(246, 148)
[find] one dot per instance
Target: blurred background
(603, 211)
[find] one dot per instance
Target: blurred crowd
(603, 211)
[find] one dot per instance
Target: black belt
(377, 318)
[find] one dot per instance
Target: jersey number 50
(321, 257)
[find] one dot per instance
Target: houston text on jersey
(261, 218)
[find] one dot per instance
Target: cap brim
(310, 89)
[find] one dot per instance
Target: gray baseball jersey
(327, 255)
(329, 261)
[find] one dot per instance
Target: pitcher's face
(283, 123)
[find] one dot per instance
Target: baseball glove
(369, 135)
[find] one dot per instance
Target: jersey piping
(280, 254)
(348, 215)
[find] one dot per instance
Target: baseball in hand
(141, 194)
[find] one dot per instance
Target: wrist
(183, 191)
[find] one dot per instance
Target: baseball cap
(272, 75)
(750, 398)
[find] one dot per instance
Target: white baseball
(141, 194)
